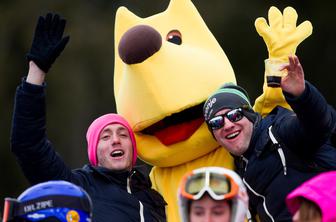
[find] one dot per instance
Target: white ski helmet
(220, 183)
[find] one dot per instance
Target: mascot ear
(178, 4)
(181, 7)
(125, 19)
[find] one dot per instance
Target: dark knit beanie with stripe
(229, 96)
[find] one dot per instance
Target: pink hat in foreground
(321, 190)
(92, 135)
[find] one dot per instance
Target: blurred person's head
(314, 200)
(308, 211)
(111, 143)
(230, 118)
(212, 194)
(53, 201)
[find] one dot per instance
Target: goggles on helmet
(218, 185)
(48, 209)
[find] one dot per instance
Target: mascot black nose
(139, 43)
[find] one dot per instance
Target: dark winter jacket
(271, 172)
(116, 196)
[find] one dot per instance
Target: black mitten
(48, 42)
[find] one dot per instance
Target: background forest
(80, 83)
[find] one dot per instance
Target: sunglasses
(218, 186)
(218, 122)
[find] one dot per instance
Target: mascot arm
(281, 37)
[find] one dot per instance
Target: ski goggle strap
(14, 208)
(9, 209)
(219, 186)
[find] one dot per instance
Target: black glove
(48, 42)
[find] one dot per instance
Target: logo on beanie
(208, 106)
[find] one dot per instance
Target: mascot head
(166, 66)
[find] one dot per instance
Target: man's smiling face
(115, 148)
(234, 136)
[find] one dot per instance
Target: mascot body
(166, 67)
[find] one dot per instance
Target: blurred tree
(80, 83)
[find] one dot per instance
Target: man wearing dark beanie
(276, 154)
(229, 96)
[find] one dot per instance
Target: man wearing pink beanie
(100, 131)
(119, 191)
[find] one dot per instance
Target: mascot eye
(174, 36)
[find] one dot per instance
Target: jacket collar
(138, 178)
(260, 137)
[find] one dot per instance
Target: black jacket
(304, 140)
(116, 196)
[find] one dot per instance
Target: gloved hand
(282, 36)
(48, 42)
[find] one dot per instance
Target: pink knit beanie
(321, 190)
(94, 130)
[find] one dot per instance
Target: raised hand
(294, 82)
(282, 36)
(48, 41)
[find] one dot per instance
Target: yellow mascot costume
(166, 66)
